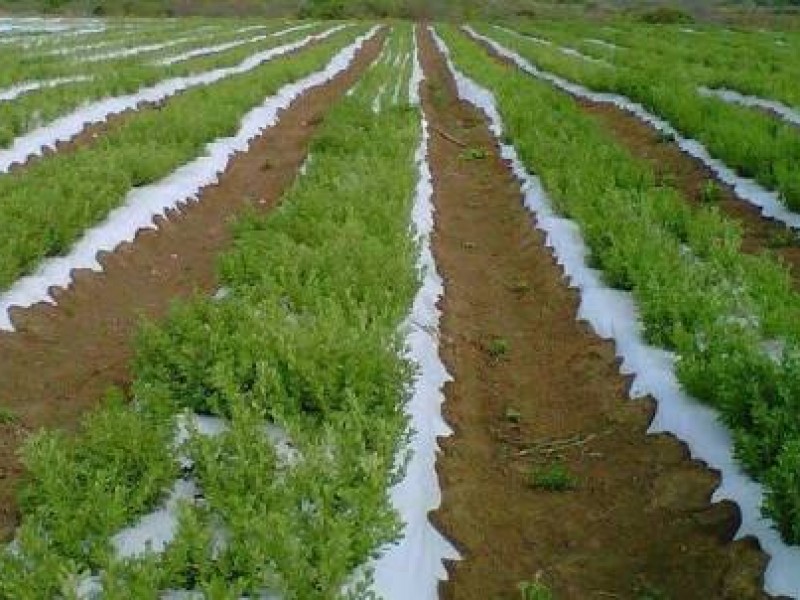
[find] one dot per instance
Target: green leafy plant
(87, 183)
(498, 348)
(303, 366)
(554, 477)
(699, 295)
(710, 193)
(7, 416)
(473, 154)
(534, 590)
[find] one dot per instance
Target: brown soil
(62, 358)
(689, 175)
(639, 521)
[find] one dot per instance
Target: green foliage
(87, 183)
(669, 15)
(731, 318)
(111, 77)
(303, 360)
(664, 74)
(534, 590)
(473, 154)
(554, 477)
(498, 348)
(82, 489)
(7, 416)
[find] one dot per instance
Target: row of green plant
(306, 341)
(113, 33)
(47, 206)
(393, 69)
(753, 143)
(119, 77)
(37, 62)
(697, 293)
(751, 62)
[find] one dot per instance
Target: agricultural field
(317, 309)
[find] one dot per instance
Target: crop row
(717, 60)
(752, 62)
(755, 144)
(117, 78)
(87, 183)
(286, 395)
(731, 318)
(60, 59)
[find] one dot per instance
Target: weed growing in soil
(555, 477)
(519, 286)
(7, 416)
(498, 348)
(710, 193)
(534, 590)
(512, 415)
(784, 238)
(473, 154)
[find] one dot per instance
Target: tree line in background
(299, 8)
(746, 12)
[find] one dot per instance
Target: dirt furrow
(538, 403)
(62, 358)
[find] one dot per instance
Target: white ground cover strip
(61, 29)
(40, 38)
(30, 86)
(603, 43)
(184, 56)
(136, 50)
(122, 40)
(376, 103)
(413, 567)
(613, 315)
(154, 531)
(578, 54)
(569, 51)
(143, 204)
(65, 128)
(76, 49)
(746, 189)
(787, 113)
